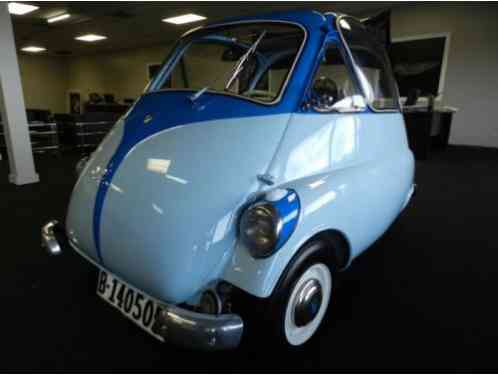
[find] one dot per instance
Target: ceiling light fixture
(186, 18)
(20, 9)
(33, 49)
(58, 18)
(90, 38)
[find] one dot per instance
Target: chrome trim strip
(350, 55)
(289, 75)
(333, 14)
(199, 331)
(49, 241)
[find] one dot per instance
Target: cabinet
(90, 134)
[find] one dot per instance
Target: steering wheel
(324, 94)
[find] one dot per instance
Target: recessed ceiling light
(33, 49)
(91, 38)
(186, 18)
(58, 18)
(20, 8)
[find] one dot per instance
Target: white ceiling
(138, 24)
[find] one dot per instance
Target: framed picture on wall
(75, 103)
(420, 62)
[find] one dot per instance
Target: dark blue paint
(284, 209)
(172, 108)
(309, 19)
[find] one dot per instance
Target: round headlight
(266, 226)
(260, 228)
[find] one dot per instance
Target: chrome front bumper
(199, 331)
(179, 326)
(49, 239)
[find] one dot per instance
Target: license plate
(133, 304)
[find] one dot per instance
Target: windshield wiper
(236, 70)
(198, 94)
(239, 67)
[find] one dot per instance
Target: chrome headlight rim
(272, 234)
(283, 206)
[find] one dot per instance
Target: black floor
(424, 297)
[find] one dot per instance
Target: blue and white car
(267, 154)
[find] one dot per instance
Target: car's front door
(337, 133)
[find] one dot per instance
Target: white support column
(12, 107)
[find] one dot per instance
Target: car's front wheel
(301, 300)
(307, 304)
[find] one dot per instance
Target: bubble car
(266, 155)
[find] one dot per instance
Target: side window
(371, 65)
(333, 89)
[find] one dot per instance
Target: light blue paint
(160, 202)
(352, 173)
(80, 216)
(168, 220)
(169, 110)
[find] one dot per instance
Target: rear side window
(371, 65)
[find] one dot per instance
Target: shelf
(45, 148)
(111, 123)
(90, 133)
(43, 125)
(44, 136)
(43, 133)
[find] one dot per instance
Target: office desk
(427, 130)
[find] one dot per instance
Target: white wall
(47, 80)
(44, 81)
(472, 74)
(122, 73)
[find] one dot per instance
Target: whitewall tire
(300, 301)
(307, 304)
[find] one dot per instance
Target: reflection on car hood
(164, 211)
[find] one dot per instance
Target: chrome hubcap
(308, 303)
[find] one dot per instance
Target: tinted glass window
(371, 65)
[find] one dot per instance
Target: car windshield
(251, 60)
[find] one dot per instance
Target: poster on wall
(75, 103)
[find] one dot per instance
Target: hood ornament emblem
(148, 119)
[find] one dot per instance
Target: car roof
(310, 19)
